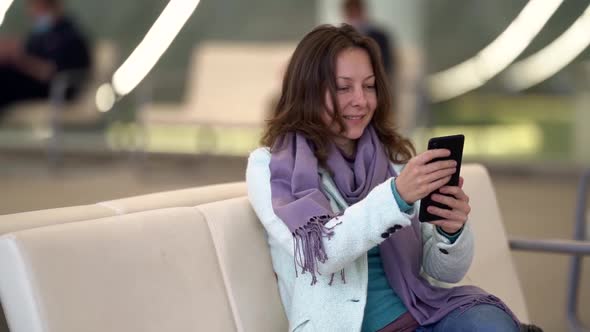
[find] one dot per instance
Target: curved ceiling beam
(476, 71)
(551, 59)
(4, 5)
(154, 44)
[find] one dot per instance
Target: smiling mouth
(353, 117)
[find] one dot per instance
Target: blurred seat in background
(229, 85)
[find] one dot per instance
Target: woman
(337, 190)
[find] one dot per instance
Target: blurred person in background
(355, 14)
(54, 45)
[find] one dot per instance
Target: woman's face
(356, 96)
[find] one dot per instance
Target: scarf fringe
(342, 276)
(309, 247)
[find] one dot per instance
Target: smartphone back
(455, 144)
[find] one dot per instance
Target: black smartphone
(454, 143)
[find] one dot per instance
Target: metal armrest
(556, 246)
(576, 248)
(58, 89)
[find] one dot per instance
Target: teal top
(383, 305)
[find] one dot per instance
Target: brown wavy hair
(310, 73)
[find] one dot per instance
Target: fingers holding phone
(453, 219)
(424, 174)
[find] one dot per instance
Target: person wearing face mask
(54, 45)
(337, 190)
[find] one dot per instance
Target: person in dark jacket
(53, 46)
(356, 15)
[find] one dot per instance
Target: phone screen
(455, 144)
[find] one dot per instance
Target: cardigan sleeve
(359, 228)
(443, 259)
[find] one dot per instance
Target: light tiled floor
(532, 205)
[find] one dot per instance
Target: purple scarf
(298, 200)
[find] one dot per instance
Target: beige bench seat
(203, 268)
(175, 198)
(150, 271)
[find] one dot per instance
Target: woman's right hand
(419, 178)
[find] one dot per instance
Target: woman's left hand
(452, 220)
